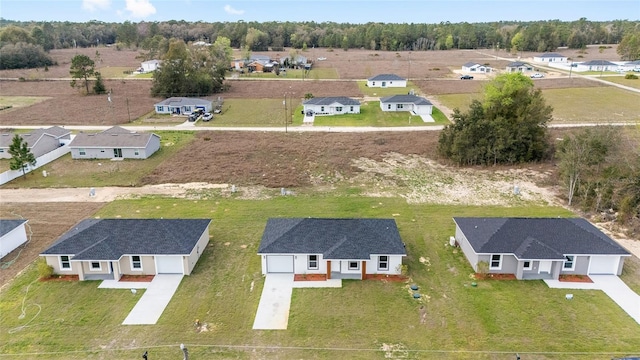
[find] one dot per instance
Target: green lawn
(20, 101)
(313, 74)
(372, 115)
(621, 80)
(256, 112)
(575, 105)
(110, 72)
(454, 320)
(67, 172)
(382, 92)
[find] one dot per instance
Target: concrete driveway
(154, 300)
(615, 288)
(275, 301)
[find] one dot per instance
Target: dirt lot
(47, 221)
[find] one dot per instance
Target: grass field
(67, 172)
(622, 81)
(372, 115)
(256, 112)
(366, 320)
(313, 74)
(117, 72)
(382, 92)
(575, 105)
(17, 102)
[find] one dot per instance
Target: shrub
(45, 270)
(483, 268)
(631, 76)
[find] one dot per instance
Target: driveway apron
(154, 300)
(275, 302)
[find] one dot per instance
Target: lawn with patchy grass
(575, 105)
(68, 172)
(371, 115)
(313, 74)
(388, 91)
(115, 72)
(365, 319)
(635, 83)
(256, 112)
(17, 102)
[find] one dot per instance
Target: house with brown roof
(114, 143)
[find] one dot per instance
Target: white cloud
(140, 8)
(95, 5)
(229, 10)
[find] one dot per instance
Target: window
(569, 263)
(496, 262)
(65, 264)
(159, 108)
(136, 152)
(339, 108)
(389, 106)
(400, 106)
(354, 265)
(82, 152)
(383, 263)
(321, 108)
(313, 262)
(373, 83)
(95, 266)
(351, 109)
(526, 265)
(117, 153)
(136, 262)
(1, 150)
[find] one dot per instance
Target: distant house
(150, 66)
(332, 105)
(114, 143)
(596, 65)
(386, 80)
(518, 66)
(39, 141)
(630, 66)
(339, 248)
(100, 249)
(182, 105)
(12, 234)
(473, 67)
(412, 103)
(538, 248)
(550, 58)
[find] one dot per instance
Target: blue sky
(352, 11)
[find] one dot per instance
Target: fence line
(9, 175)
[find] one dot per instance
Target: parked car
(537, 76)
(207, 116)
(466, 77)
(194, 116)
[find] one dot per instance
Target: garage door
(169, 265)
(603, 265)
(280, 264)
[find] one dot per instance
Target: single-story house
(99, 249)
(339, 248)
(386, 80)
(412, 103)
(538, 248)
(114, 143)
(550, 57)
(331, 105)
(182, 105)
(39, 141)
(474, 67)
(596, 65)
(518, 66)
(150, 65)
(13, 233)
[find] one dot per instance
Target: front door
(117, 153)
(384, 84)
(545, 267)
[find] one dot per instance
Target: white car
(207, 116)
(537, 76)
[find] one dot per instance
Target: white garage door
(603, 265)
(169, 265)
(280, 264)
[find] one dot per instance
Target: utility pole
(286, 113)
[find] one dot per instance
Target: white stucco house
(114, 143)
(415, 104)
(39, 141)
(518, 66)
(550, 58)
(596, 65)
(182, 105)
(337, 248)
(149, 66)
(538, 248)
(100, 249)
(474, 67)
(386, 80)
(13, 233)
(331, 106)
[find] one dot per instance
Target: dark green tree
(98, 87)
(508, 126)
(21, 156)
(629, 47)
(82, 67)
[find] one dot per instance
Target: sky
(341, 11)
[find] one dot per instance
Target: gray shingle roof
(112, 137)
(598, 63)
(343, 100)
(33, 136)
(183, 101)
(537, 238)
(517, 64)
(6, 226)
(635, 62)
(110, 239)
(352, 239)
(553, 55)
(470, 64)
(386, 77)
(405, 99)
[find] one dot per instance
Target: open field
(635, 83)
(496, 319)
(388, 91)
(256, 112)
(575, 105)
